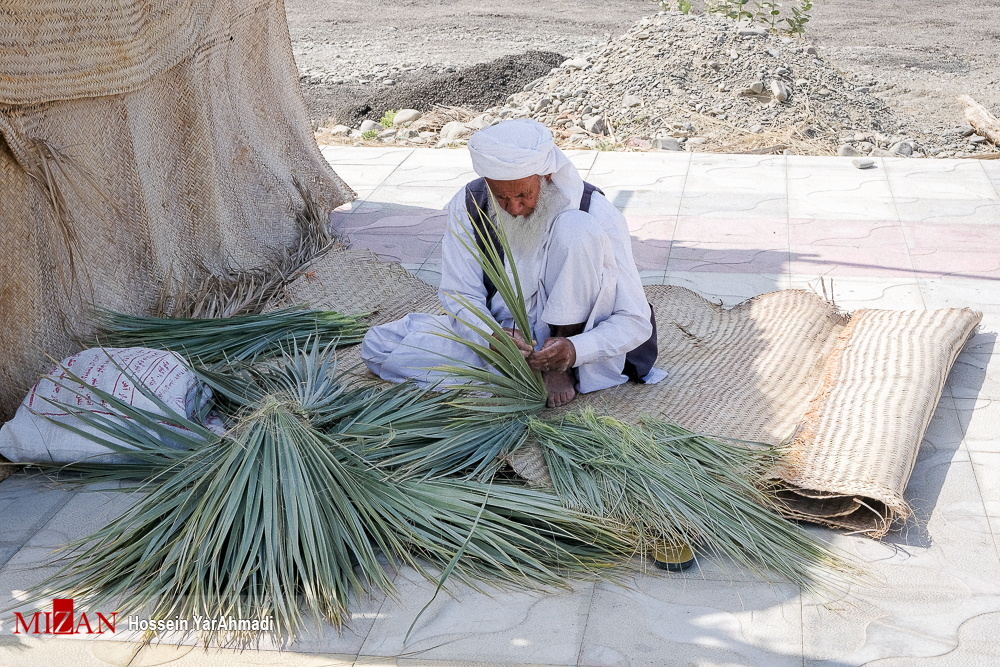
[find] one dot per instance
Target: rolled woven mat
(853, 395)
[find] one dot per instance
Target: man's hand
(523, 345)
(557, 354)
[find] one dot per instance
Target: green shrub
(388, 118)
(369, 135)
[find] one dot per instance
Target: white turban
(516, 149)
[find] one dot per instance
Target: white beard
(527, 234)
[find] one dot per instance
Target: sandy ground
(921, 53)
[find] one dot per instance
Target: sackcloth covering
(850, 395)
(140, 140)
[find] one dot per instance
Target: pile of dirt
(476, 88)
(717, 84)
(672, 81)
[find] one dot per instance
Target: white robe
(587, 274)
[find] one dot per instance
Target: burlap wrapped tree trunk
(140, 140)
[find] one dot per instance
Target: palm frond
(232, 339)
(659, 482)
(283, 518)
(502, 355)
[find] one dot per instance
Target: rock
(901, 148)
(801, 82)
(576, 63)
(340, 130)
(631, 101)
(782, 71)
(453, 130)
(863, 162)
(408, 134)
(637, 142)
(757, 129)
(847, 150)
(697, 140)
(387, 134)
(481, 121)
(369, 125)
(881, 152)
(976, 139)
(541, 104)
(757, 87)
(404, 116)
(666, 144)
(753, 32)
(774, 53)
(780, 91)
(811, 50)
(595, 125)
(578, 138)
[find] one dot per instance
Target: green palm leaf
(232, 339)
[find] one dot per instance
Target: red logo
(61, 621)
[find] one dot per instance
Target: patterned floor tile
(434, 158)
(692, 622)
(919, 600)
(502, 626)
(729, 289)
(958, 292)
(583, 161)
(835, 189)
(722, 204)
(651, 227)
(947, 211)
(841, 261)
(771, 232)
(637, 179)
(432, 196)
(451, 176)
(726, 258)
(341, 155)
(956, 236)
(662, 164)
(939, 179)
(852, 292)
(649, 203)
(651, 255)
(847, 233)
(731, 174)
(365, 176)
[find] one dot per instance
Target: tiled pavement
(907, 234)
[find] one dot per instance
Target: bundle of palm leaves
(234, 339)
(319, 484)
(287, 514)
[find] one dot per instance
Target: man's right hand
(522, 344)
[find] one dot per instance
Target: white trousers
(578, 285)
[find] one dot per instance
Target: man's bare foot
(560, 385)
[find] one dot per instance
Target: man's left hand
(556, 354)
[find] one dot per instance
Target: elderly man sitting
(591, 325)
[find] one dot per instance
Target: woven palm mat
(853, 396)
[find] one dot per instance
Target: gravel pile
(687, 82)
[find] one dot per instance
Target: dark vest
(639, 361)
